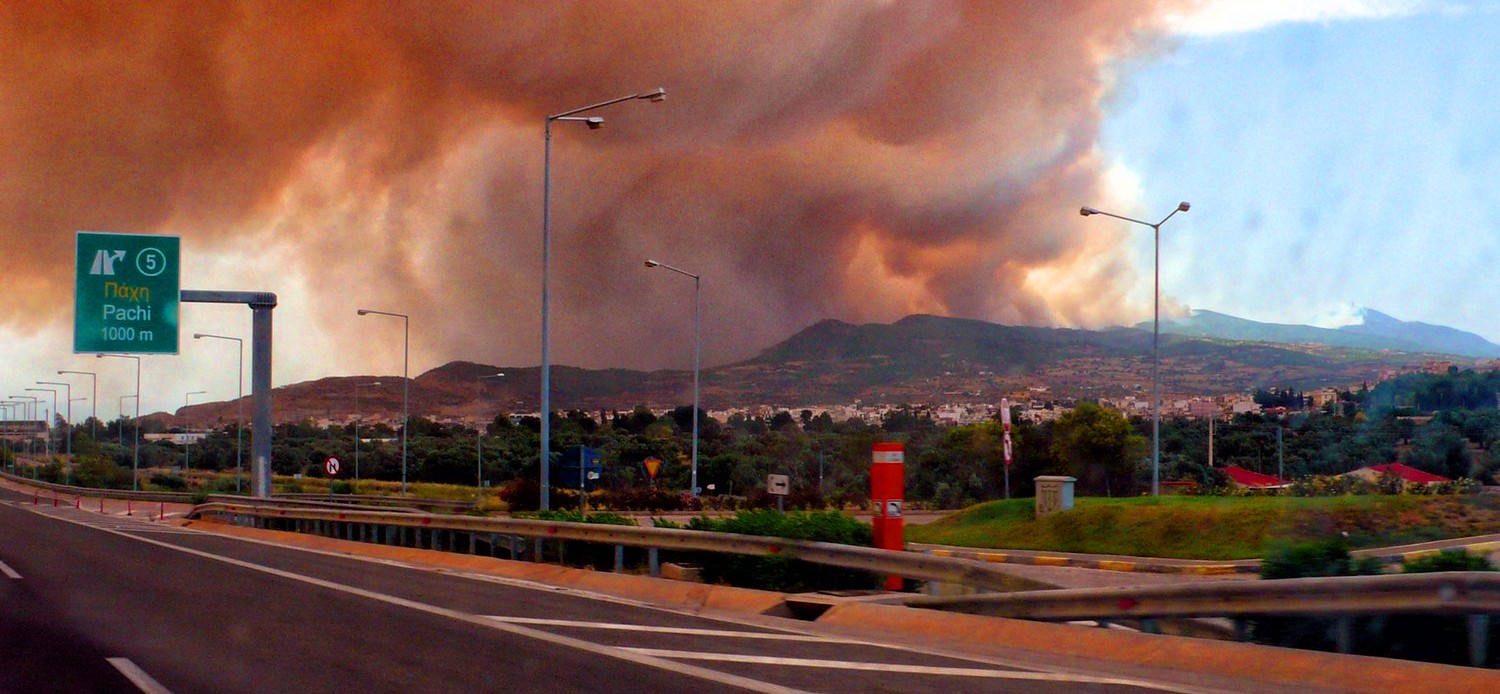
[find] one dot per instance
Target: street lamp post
(405, 382)
(187, 441)
(135, 460)
(94, 384)
(479, 434)
(357, 386)
(697, 344)
(239, 417)
(1155, 336)
(68, 396)
(53, 391)
(594, 123)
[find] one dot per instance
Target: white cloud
(1219, 17)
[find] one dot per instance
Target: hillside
(1376, 331)
(919, 359)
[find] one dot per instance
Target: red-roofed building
(1407, 474)
(1247, 479)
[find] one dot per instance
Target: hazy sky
(848, 160)
(1331, 164)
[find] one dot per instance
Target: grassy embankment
(1212, 527)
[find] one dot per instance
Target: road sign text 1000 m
(126, 293)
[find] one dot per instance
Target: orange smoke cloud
(857, 160)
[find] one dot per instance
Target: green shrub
(169, 482)
(1448, 560)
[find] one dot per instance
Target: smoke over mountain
(858, 160)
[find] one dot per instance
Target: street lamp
(68, 397)
(187, 441)
(239, 417)
(53, 391)
(697, 343)
(357, 386)
(1155, 337)
(594, 123)
(405, 383)
(479, 434)
(94, 380)
(135, 461)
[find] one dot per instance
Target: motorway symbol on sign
(125, 293)
(779, 485)
(331, 465)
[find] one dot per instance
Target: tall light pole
(697, 343)
(239, 403)
(594, 123)
(69, 398)
(187, 441)
(94, 382)
(1155, 337)
(135, 461)
(405, 382)
(479, 434)
(53, 391)
(357, 386)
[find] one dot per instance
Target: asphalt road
(88, 598)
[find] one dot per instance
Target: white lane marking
(137, 676)
(607, 651)
(9, 572)
(904, 669)
(537, 621)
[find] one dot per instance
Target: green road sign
(125, 295)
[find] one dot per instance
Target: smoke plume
(857, 160)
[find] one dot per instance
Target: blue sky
(1338, 163)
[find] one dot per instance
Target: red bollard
(129, 507)
(162, 514)
(36, 499)
(101, 504)
(54, 500)
(887, 494)
(78, 502)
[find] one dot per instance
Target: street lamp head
(652, 263)
(1088, 211)
(197, 336)
(594, 122)
(1183, 207)
(655, 97)
(362, 312)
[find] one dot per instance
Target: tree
(1097, 446)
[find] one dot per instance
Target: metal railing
(183, 497)
(1475, 594)
(377, 526)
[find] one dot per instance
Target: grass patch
(1212, 527)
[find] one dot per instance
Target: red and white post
(887, 496)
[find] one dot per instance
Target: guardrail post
(515, 547)
(1479, 639)
(653, 559)
(1242, 630)
(1343, 634)
(1150, 626)
(619, 558)
(473, 544)
(538, 557)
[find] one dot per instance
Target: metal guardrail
(374, 524)
(375, 499)
(176, 497)
(1475, 594)
(1457, 592)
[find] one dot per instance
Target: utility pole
(1211, 441)
(1280, 462)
